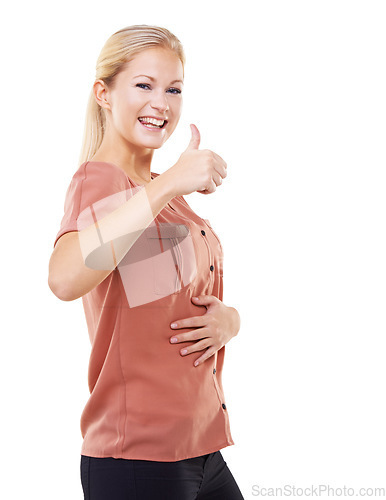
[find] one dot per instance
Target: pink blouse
(146, 400)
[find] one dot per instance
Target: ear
(101, 94)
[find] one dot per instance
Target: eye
(177, 91)
(143, 85)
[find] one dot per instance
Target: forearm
(105, 243)
(235, 321)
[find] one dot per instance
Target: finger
(197, 334)
(220, 160)
(211, 188)
(198, 346)
(217, 179)
(207, 354)
(221, 170)
(189, 322)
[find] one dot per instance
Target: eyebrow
(153, 79)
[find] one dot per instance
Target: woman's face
(149, 86)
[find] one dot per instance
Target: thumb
(195, 139)
(205, 299)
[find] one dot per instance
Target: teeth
(153, 121)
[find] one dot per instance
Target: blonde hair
(118, 50)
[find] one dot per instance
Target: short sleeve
(93, 184)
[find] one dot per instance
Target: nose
(160, 102)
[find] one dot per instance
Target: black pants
(206, 477)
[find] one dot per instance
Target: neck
(135, 161)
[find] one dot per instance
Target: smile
(152, 123)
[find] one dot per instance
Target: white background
(292, 95)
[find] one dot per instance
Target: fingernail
(173, 325)
(173, 339)
(196, 363)
(184, 351)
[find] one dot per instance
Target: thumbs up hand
(197, 170)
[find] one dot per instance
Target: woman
(141, 259)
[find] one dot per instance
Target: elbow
(60, 291)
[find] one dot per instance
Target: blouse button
(223, 405)
(211, 268)
(202, 232)
(214, 370)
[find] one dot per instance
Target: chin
(154, 143)
(150, 144)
